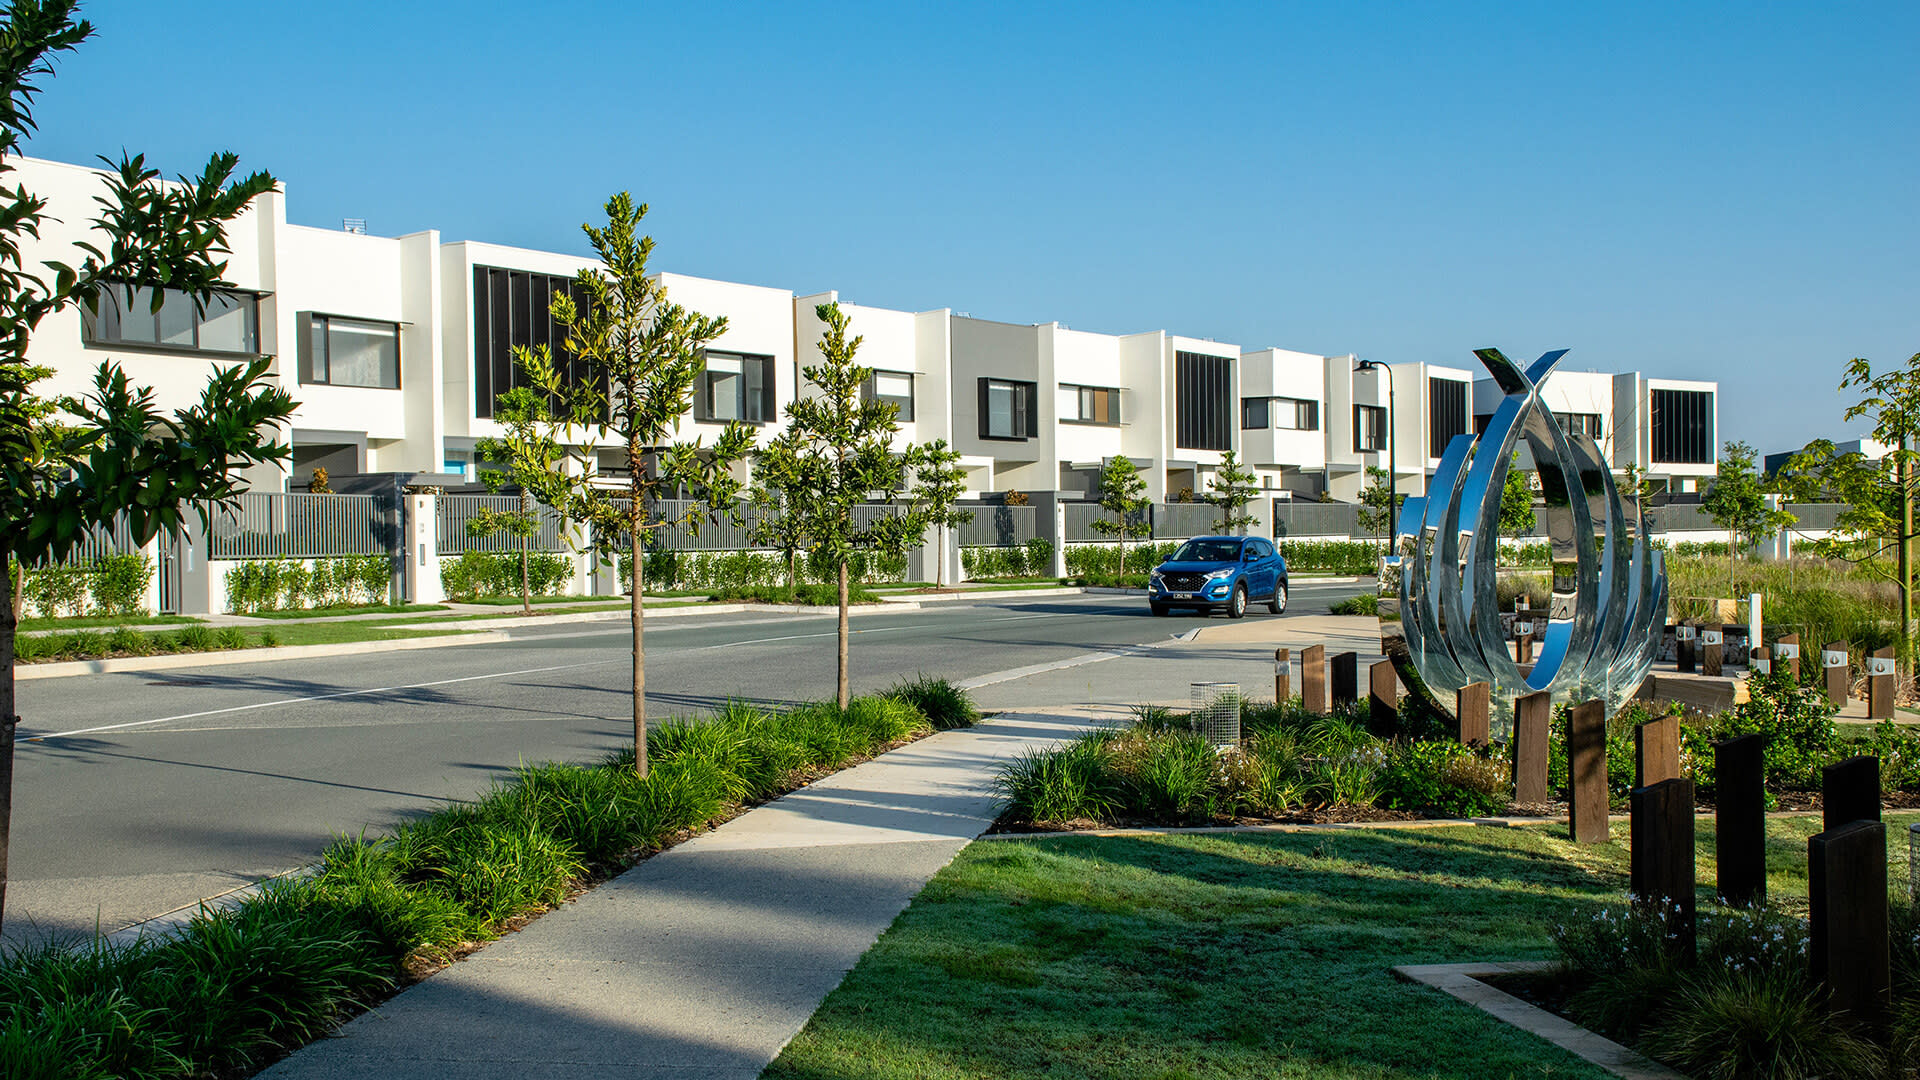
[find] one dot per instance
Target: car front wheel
(1157, 607)
(1279, 602)
(1237, 607)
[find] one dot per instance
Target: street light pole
(1393, 444)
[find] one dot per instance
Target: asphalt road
(139, 793)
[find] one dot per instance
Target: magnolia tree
(845, 453)
(780, 487)
(1737, 502)
(636, 356)
(1233, 488)
(70, 465)
(1123, 493)
(1516, 504)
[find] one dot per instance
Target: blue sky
(1706, 191)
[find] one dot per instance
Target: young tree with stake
(530, 453)
(1232, 489)
(70, 465)
(845, 446)
(637, 355)
(1123, 493)
(1737, 503)
(938, 483)
(780, 487)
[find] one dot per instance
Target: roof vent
(355, 225)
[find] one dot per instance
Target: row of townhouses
(395, 348)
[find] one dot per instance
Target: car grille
(1184, 582)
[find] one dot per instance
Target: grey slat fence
(1177, 521)
(99, 543)
(267, 525)
(1000, 526)
(453, 512)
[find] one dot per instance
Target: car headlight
(1154, 574)
(1221, 574)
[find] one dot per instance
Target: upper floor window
(1587, 424)
(1202, 401)
(1683, 427)
(735, 386)
(350, 352)
(224, 321)
(1007, 410)
(1446, 413)
(892, 388)
(1288, 414)
(1088, 404)
(1369, 428)
(514, 308)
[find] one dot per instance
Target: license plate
(1181, 595)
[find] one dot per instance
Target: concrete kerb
(64, 668)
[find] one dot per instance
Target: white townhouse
(395, 349)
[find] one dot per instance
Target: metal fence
(1177, 521)
(266, 526)
(99, 543)
(453, 512)
(1000, 526)
(1315, 519)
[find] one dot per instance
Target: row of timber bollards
(1699, 649)
(1848, 946)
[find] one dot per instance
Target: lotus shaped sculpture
(1609, 600)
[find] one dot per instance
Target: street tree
(1232, 488)
(1376, 504)
(1516, 503)
(1123, 494)
(528, 452)
(778, 498)
(845, 447)
(1737, 503)
(636, 356)
(1891, 400)
(938, 483)
(70, 465)
(1876, 494)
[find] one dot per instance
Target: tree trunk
(8, 720)
(940, 559)
(1123, 550)
(639, 648)
(526, 592)
(793, 571)
(1732, 546)
(843, 694)
(1906, 560)
(19, 579)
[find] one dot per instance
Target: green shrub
(1068, 784)
(372, 577)
(195, 639)
(295, 584)
(232, 638)
(58, 589)
(945, 705)
(1364, 604)
(125, 639)
(1103, 560)
(1443, 778)
(119, 583)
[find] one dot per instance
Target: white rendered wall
(1085, 359)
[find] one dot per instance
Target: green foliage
(126, 641)
(1797, 720)
(1516, 503)
(1376, 503)
(1039, 551)
(1123, 494)
(728, 571)
(945, 705)
(239, 986)
(1096, 560)
(938, 483)
(1444, 778)
(1737, 503)
(1231, 488)
(1364, 604)
(255, 585)
(477, 573)
(60, 589)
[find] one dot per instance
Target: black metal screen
(1446, 413)
(510, 307)
(1683, 427)
(1203, 401)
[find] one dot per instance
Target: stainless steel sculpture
(1609, 604)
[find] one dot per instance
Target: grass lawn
(348, 609)
(89, 622)
(1227, 955)
(334, 633)
(514, 601)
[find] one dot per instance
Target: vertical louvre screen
(1203, 401)
(1446, 413)
(1683, 427)
(513, 307)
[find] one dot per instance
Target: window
(1202, 401)
(1287, 414)
(1446, 413)
(512, 307)
(225, 322)
(1088, 404)
(350, 352)
(1369, 427)
(1006, 410)
(735, 386)
(893, 388)
(1587, 424)
(1683, 427)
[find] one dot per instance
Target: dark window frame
(1275, 406)
(1083, 395)
(1588, 424)
(1447, 413)
(869, 391)
(757, 403)
(1374, 424)
(94, 320)
(1682, 427)
(1026, 411)
(310, 363)
(504, 315)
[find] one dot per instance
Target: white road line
(317, 697)
(877, 630)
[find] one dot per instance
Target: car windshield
(1208, 551)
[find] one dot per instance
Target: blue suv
(1224, 572)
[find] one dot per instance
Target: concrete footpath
(701, 962)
